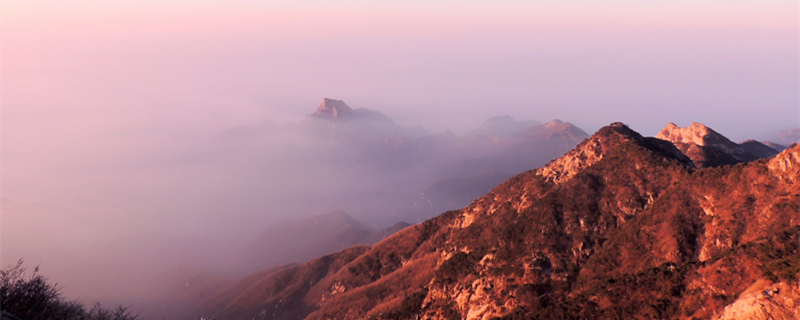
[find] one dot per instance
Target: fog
(142, 137)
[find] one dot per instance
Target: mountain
(621, 227)
(456, 193)
(334, 119)
(788, 137)
(501, 126)
(333, 109)
(515, 152)
(409, 163)
(276, 293)
(300, 240)
(707, 148)
(337, 110)
(773, 145)
(377, 236)
(759, 149)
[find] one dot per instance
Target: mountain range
(359, 161)
(681, 226)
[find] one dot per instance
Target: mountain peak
(332, 109)
(707, 147)
(696, 133)
(618, 131)
(594, 149)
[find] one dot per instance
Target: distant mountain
(373, 143)
(276, 293)
(515, 152)
(334, 119)
(707, 148)
(333, 109)
(337, 110)
(457, 193)
(759, 149)
(377, 236)
(360, 161)
(471, 165)
(788, 137)
(621, 227)
(773, 145)
(299, 240)
(502, 126)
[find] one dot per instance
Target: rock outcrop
(708, 148)
(332, 109)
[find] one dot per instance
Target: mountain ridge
(621, 226)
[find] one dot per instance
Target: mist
(139, 138)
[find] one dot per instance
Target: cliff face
(623, 226)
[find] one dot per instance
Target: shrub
(34, 298)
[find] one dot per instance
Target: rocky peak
(332, 109)
(704, 146)
(554, 129)
(701, 135)
(696, 133)
(558, 126)
(588, 153)
(786, 165)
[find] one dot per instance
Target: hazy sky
(202, 65)
(97, 96)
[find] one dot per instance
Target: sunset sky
(98, 95)
(209, 64)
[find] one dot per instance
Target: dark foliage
(411, 306)
(34, 298)
(457, 266)
(651, 294)
(780, 255)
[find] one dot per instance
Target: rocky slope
(621, 227)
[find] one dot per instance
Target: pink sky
(444, 55)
